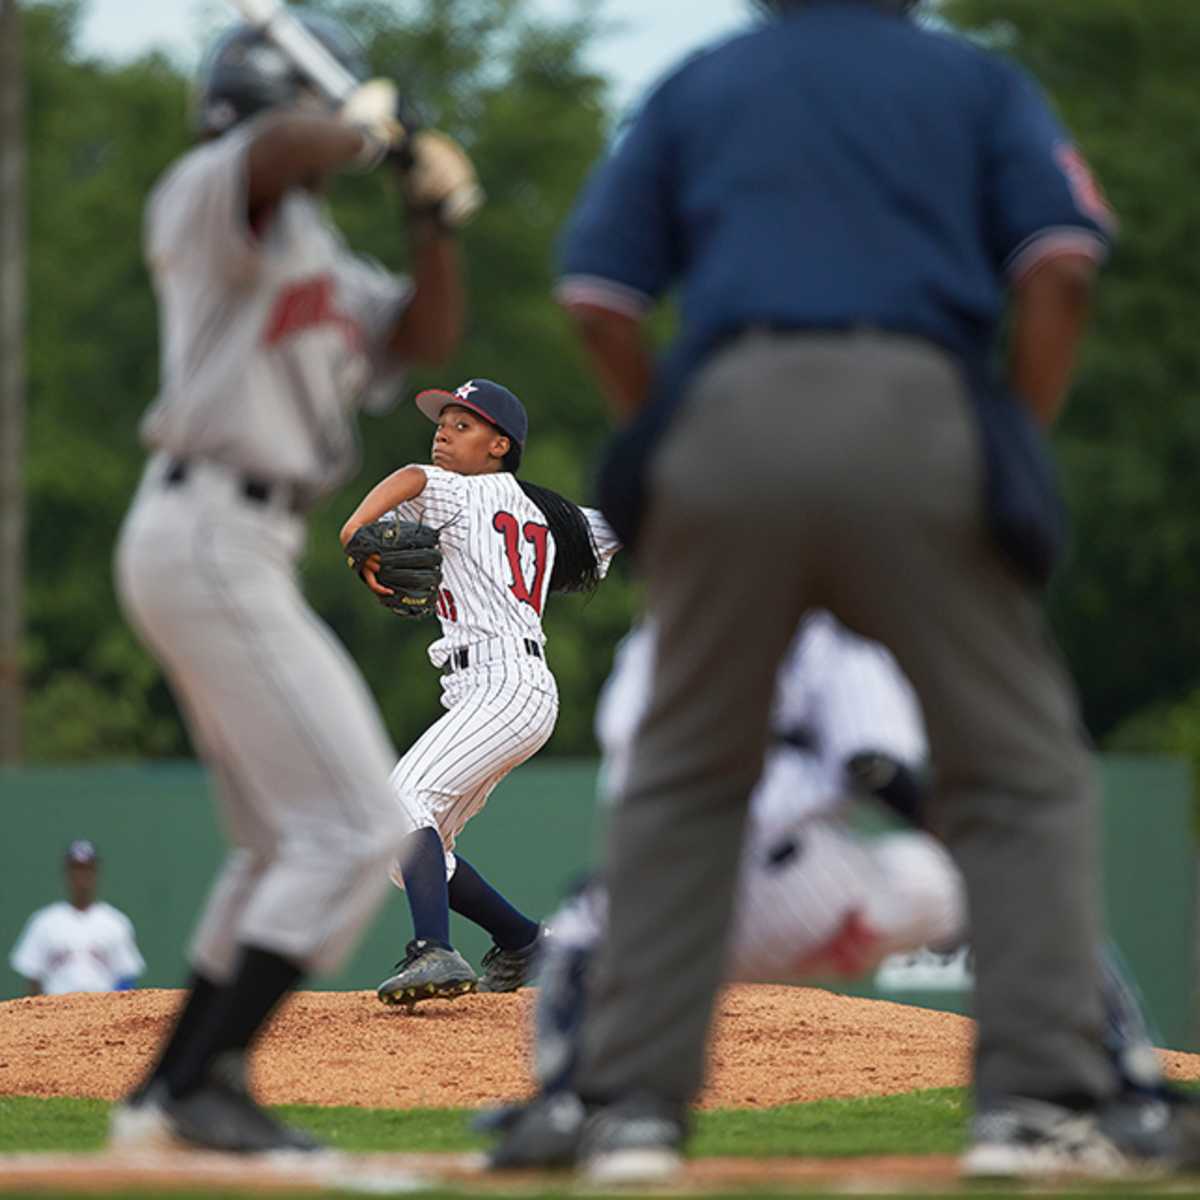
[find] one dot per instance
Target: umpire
(847, 204)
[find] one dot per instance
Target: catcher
(504, 545)
(816, 900)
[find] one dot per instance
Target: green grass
(920, 1123)
(930, 1122)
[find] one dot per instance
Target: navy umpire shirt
(837, 167)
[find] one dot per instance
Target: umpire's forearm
(1050, 315)
(619, 355)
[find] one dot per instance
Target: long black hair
(576, 562)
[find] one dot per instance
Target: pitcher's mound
(774, 1045)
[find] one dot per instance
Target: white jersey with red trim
(836, 695)
(498, 556)
(271, 340)
(815, 898)
(68, 949)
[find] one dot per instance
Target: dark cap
(493, 402)
(82, 853)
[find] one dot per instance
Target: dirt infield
(774, 1045)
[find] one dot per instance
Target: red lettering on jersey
(446, 607)
(308, 304)
(536, 535)
(1088, 194)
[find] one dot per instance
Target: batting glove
(373, 108)
(439, 178)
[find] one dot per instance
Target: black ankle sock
(423, 862)
(263, 978)
(471, 896)
(201, 997)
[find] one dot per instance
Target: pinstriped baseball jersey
(499, 556)
(270, 341)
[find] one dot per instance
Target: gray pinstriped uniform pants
(843, 472)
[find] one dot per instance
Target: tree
(1123, 76)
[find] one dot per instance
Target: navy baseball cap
(81, 852)
(492, 401)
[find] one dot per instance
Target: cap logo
(467, 388)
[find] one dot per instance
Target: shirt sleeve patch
(1088, 194)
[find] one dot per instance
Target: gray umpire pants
(843, 472)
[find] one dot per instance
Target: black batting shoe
(214, 1117)
(508, 970)
(427, 972)
(543, 1133)
(638, 1140)
(1032, 1139)
(220, 1115)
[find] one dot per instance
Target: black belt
(460, 660)
(256, 490)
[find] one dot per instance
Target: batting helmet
(244, 73)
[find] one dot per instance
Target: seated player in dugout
(506, 545)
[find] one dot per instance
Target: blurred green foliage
(1123, 75)
(518, 91)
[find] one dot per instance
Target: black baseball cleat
(498, 1120)
(215, 1117)
(543, 1133)
(1125, 1138)
(638, 1140)
(508, 970)
(220, 1115)
(138, 1122)
(427, 972)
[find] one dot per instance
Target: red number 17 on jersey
(536, 535)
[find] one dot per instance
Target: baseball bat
(277, 21)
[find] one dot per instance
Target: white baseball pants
(276, 708)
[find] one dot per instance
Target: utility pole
(12, 380)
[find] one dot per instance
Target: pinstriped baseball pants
(850, 479)
(500, 713)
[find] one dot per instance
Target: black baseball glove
(408, 561)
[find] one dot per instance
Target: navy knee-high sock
(473, 897)
(423, 862)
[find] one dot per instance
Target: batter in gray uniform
(273, 335)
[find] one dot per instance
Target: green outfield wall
(160, 844)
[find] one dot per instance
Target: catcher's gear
(410, 563)
(244, 73)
